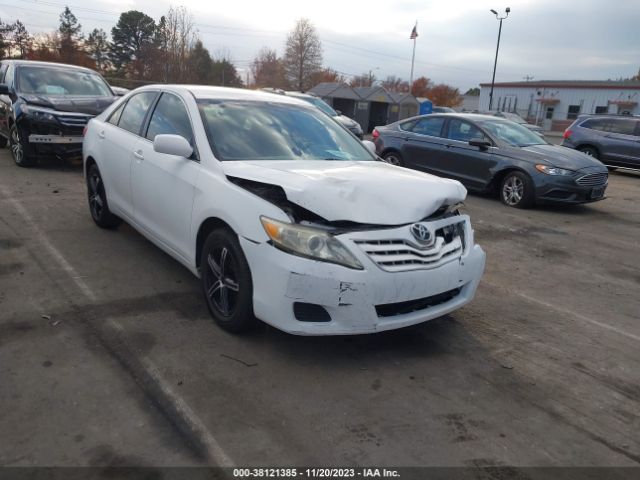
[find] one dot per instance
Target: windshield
(513, 117)
(58, 81)
(321, 104)
(252, 130)
(512, 133)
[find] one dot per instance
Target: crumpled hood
(76, 104)
(562, 157)
(363, 192)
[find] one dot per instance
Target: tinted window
(463, 131)
(60, 81)
(252, 130)
(170, 117)
(8, 78)
(135, 110)
(429, 126)
(115, 115)
(595, 124)
(3, 69)
(622, 126)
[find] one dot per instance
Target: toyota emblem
(421, 233)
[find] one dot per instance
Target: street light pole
(495, 62)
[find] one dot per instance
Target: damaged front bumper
(56, 139)
(401, 284)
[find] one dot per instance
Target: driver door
(163, 186)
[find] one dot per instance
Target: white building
(555, 104)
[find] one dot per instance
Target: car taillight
(375, 134)
(84, 131)
(567, 133)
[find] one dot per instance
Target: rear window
(622, 126)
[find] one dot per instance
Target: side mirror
(172, 145)
(4, 89)
(480, 143)
(369, 145)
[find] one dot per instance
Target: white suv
(283, 214)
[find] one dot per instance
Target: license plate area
(597, 192)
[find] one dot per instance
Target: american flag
(414, 33)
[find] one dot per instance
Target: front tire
(97, 197)
(22, 153)
(393, 158)
(516, 190)
(226, 282)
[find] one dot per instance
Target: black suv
(613, 139)
(44, 107)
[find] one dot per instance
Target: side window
(115, 115)
(623, 126)
(429, 126)
(135, 110)
(170, 117)
(408, 126)
(3, 69)
(8, 78)
(595, 124)
(463, 131)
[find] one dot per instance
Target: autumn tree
(328, 75)
(133, 43)
(395, 84)
(97, 46)
(45, 48)
(268, 70)
(70, 36)
(303, 55)
(445, 95)
(177, 35)
(22, 40)
(365, 80)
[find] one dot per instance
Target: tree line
(140, 50)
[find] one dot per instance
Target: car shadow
(59, 164)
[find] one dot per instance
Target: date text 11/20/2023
(315, 473)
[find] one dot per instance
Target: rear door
(622, 142)
(118, 137)
(423, 144)
(163, 185)
(471, 165)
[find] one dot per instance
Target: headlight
(309, 242)
(41, 114)
(554, 170)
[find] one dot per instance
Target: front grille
(399, 254)
(593, 179)
(73, 120)
(402, 308)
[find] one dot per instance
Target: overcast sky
(546, 39)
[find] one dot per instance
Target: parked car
(349, 123)
(489, 154)
(514, 117)
(613, 139)
(283, 214)
(44, 107)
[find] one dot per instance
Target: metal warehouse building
(369, 106)
(555, 104)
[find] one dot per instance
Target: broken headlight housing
(309, 242)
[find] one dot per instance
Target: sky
(543, 39)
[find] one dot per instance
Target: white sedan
(284, 215)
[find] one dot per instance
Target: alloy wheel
(222, 286)
(96, 202)
(392, 159)
(513, 190)
(16, 146)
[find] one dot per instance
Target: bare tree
(179, 36)
(22, 41)
(303, 54)
(395, 84)
(268, 70)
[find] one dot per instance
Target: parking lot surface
(108, 355)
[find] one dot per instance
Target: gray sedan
(490, 154)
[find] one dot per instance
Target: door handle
(138, 155)
(101, 134)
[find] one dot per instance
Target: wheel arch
(206, 227)
(494, 184)
(590, 145)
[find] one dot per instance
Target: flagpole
(413, 56)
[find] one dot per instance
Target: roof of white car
(227, 93)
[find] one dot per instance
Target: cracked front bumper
(354, 299)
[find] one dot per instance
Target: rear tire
(516, 190)
(393, 158)
(97, 197)
(226, 282)
(592, 152)
(22, 153)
